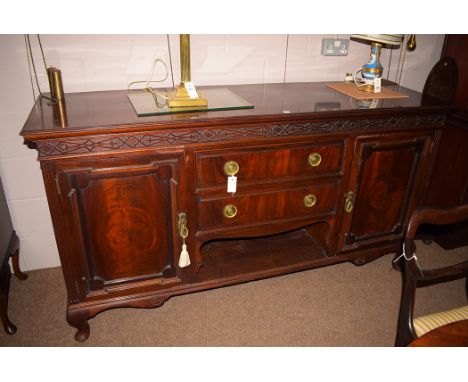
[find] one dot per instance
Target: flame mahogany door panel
(121, 215)
(385, 173)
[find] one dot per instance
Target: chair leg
(16, 268)
(14, 254)
(5, 274)
(405, 331)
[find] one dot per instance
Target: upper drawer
(270, 163)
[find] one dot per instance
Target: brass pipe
(184, 58)
(55, 84)
(60, 113)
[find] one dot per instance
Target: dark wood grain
(267, 256)
(269, 163)
(448, 185)
(386, 187)
(450, 335)
(111, 111)
(455, 48)
(265, 207)
(116, 183)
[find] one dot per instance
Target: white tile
(419, 63)
(13, 48)
(237, 59)
(305, 62)
(22, 178)
(38, 252)
(31, 217)
(16, 95)
(145, 49)
(11, 143)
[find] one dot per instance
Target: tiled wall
(103, 62)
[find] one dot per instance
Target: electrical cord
(28, 45)
(154, 92)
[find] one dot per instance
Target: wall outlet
(335, 46)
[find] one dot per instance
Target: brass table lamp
(186, 94)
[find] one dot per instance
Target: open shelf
(253, 258)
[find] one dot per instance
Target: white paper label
(232, 184)
(374, 103)
(377, 85)
(190, 87)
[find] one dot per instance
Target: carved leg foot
(4, 289)
(80, 322)
(82, 333)
(358, 261)
(16, 268)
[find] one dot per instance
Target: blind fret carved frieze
(164, 138)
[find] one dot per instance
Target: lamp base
(181, 98)
(367, 88)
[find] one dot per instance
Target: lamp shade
(388, 39)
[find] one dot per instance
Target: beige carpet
(341, 305)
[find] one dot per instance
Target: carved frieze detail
(164, 138)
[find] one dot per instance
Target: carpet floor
(341, 305)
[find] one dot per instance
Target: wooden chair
(414, 277)
(9, 247)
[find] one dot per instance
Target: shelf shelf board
(229, 261)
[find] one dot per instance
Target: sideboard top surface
(111, 111)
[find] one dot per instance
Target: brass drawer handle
(315, 159)
(349, 201)
(231, 168)
(230, 211)
(310, 200)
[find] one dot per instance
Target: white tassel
(184, 259)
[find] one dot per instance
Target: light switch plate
(335, 46)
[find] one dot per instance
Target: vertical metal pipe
(184, 58)
(55, 83)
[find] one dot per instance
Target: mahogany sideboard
(321, 179)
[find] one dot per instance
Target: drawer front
(308, 200)
(257, 164)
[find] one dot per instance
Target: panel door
(121, 218)
(386, 184)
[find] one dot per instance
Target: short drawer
(267, 163)
(251, 209)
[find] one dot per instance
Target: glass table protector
(145, 104)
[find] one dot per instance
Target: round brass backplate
(310, 200)
(315, 159)
(230, 211)
(231, 168)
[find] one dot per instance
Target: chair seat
(424, 324)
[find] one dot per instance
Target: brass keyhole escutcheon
(182, 225)
(230, 211)
(231, 168)
(315, 159)
(310, 200)
(349, 201)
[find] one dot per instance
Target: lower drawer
(298, 202)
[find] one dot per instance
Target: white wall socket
(335, 46)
